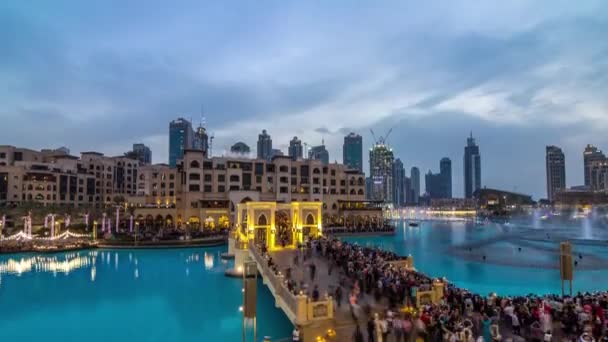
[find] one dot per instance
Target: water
(127, 295)
(440, 249)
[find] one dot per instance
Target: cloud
(94, 78)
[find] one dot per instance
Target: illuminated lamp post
(2, 224)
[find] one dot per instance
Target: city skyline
(518, 87)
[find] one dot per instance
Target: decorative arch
(262, 220)
(360, 192)
(194, 164)
(352, 191)
(310, 219)
(169, 220)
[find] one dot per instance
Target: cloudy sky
(519, 74)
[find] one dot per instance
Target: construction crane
(383, 139)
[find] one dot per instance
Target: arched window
(194, 176)
(352, 191)
(262, 220)
(194, 164)
(360, 192)
(361, 181)
(334, 206)
(310, 220)
(316, 171)
(30, 187)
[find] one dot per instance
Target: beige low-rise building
(198, 192)
(203, 192)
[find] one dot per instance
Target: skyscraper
(319, 153)
(201, 140)
(415, 184)
(352, 151)
(591, 155)
(264, 145)
(142, 153)
(556, 170)
(445, 169)
(439, 185)
(432, 184)
(181, 137)
(472, 168)
(295, 148)
(398, 183)
(381, 172)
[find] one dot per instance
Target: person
(371, 327)
(378, 328)
(495, 332)
(357, 336)
(315, 294)
(398, 328)
(295, 335)
(486, 322)
(515, 324)
(338, 294)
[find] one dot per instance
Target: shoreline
(117, 244)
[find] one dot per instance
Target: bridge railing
(276, 280)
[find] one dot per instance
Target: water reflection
(68, 263)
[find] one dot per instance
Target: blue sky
(519, 74)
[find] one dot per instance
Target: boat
(413, 224)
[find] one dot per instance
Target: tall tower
(295, 148)
(445, 170)
(381, 172)
(398, 183)
(415, 184)
(352, 151)
(591, 155)
(472, 167)
(319, 153)
(181, 137)
(264, 145)
(556, 171)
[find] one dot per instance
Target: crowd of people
(374, 281)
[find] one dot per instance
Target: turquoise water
(506, 270)
(127, 295)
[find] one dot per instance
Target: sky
(519, 75)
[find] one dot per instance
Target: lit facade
(50, 177)
(203, 192)
(381, 172)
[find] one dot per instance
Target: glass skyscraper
(398, 183)
(352, 151)
(445, 170)
(264, 145)
(556, 171)
(143, 153)
(381, 172)
(320, 153)
(181, 137)
(415, 184)
(295, 148)
(472, 168)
